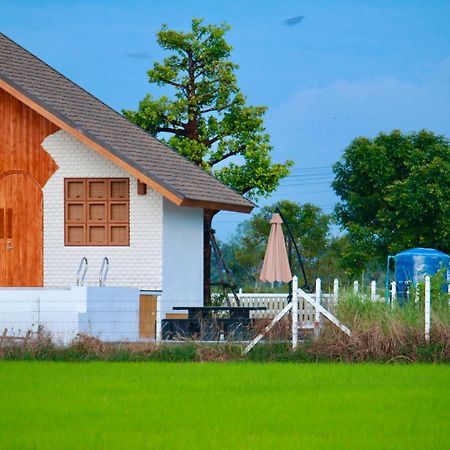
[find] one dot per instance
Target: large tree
(395, 192)
(205, 116)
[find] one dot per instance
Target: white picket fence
(306, 309)
(298, 297)
(275, 303)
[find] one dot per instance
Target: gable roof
(84, 116)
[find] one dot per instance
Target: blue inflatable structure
(412, 265)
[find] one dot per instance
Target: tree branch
(176, 131)
(174, 84)
(226, 155)
(217, 109)
(213, 140)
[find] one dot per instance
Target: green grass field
(210, 406)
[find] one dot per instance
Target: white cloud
(315, 124)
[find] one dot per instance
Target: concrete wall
(183, 256)
(111, 314)
(140, 264)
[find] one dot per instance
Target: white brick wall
(140, 264)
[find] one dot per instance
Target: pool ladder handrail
(103, 272)
(81, 272)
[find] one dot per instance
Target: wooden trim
(182, 316)
(2, 223)
(177, 199)
(9, 220)
(216, 206)
(141, 188)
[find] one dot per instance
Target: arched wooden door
(20, 230)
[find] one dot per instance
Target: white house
(78, 183)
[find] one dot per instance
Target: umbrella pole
(306, 285)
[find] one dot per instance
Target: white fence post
(427, 308)
(355, 287)
(393, 293)
(373, 290)
(317, 315)
(158, 319)
(336, 291)
(294, 312)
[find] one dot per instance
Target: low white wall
(109, 313)
(112, 314)
(56, 310)
(182, 257)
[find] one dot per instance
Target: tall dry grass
(381, 332)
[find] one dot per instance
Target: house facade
(79, 183)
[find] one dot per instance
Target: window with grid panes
(97, 211)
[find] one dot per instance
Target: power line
(312, 167)
(308, 183)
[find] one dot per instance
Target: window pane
(97, 235)
(118, 235)
(75, 212)
(97, 212)
(118, 212)
(75, 189)
(119, 189)
(75, 235)
(97, 189)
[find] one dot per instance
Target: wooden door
(147, 316)
(20, 231)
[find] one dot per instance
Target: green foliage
(310, 228)
(207, 119)
(394, 192)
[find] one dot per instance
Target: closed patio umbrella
(276, 264)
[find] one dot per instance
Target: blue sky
(349, 68)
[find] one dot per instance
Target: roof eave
(115, 156)
(218, 206)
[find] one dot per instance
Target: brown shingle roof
(101, 124)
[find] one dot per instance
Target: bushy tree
(395, 194)
(206, 117)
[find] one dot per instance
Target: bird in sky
(138, 55)
(293, 20)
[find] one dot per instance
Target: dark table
(201, 323)
(205, 312)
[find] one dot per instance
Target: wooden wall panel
(21, 240)
(22, 131)
(25, 168)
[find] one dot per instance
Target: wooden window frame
(107, 222)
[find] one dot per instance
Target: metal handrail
(81, 272)
(103, 272)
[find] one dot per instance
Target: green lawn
(103, 405)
